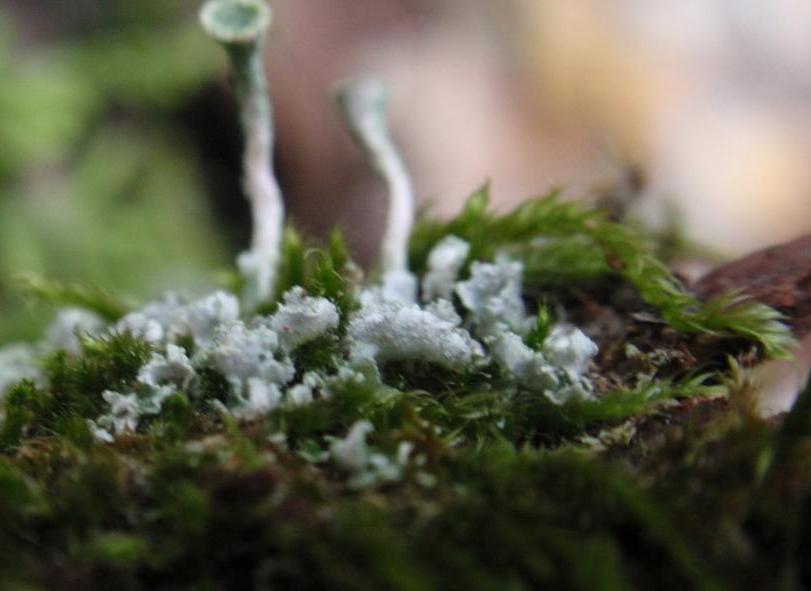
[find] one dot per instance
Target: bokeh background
(119, 145)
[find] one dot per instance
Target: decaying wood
(779, 276)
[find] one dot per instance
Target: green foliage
(497, 518)
(293, 263)
(321, 271)
(540, 331)
(75, 388)
(145, 61)
(111, 549)
(93, 177)
(23, 403)
(73, 294)
(572, 243)
(347, 403)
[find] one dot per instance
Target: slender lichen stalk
(240, 25)
(363, 105)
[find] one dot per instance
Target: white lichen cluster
(367, 466)
(300, 319)
(461, 325)
(493, 298)
(444, 264)
(66, 328)
(254, 358)
(388, 330)
(18, 361)
(21, 361)
(474, 323)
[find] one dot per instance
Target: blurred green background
(100, 176)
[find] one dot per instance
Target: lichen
(18, 361)
(351, 452)
(367, 467)
(65, 330)
(301, 318)
(158, 321)
(173, 367)
(241, 353)
(493, 297)
(126, 410)
(387, 331)
(568, 348)
(202, 319)
(445, 261)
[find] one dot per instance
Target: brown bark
(779, 276)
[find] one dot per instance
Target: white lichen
(381, 468)
(240, 353)
(260, 398)
(158, 321)
(399, 286)
(580, 389)
(303, 393)
(18, 361)
(557, 371)
(301, 318)
(67, 326)
(127, 409)
(151, 399)
(445, 261)
(366, 466)
(174, 367)
(493, 298)
(124, 412)
(444, 310)
(391, 331)
(352, 452)
(519, 362)
(570, 349)
(299, 395)
(202, 318)
(99, 434)
(363, 105)
(255, 359)
(171, 318)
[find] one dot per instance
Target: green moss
(658, 483)
(75, 388)
(81, 296)
(569, 243)
(496, 518)
(321, 271)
